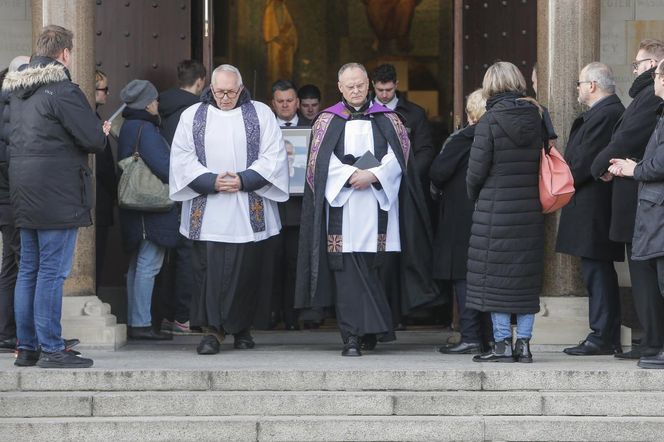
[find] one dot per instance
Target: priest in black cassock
(362, 200)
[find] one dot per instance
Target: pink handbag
(556, 183)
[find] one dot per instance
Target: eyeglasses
(230, 94)
(636, 63)
(655, 74)
(102, 89)
(579, 83)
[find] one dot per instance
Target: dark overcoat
(448, 174)
(584, 223)
(648, 239)
(629, 140)
(506, 252)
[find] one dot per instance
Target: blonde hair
(502, 77)
(99, 77)
(475, 105)
(653, 47)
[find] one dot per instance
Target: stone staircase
(506, 402)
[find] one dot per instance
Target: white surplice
(226, 218)
(360, 207)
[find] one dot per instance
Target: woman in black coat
(506, 253)
(450, 244)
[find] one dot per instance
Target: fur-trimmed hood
(41, 71)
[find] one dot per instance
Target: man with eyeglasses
(584, 223)
(648, 242)
(629, 140)
(229, 170)
(362, 201)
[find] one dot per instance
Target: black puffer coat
(506, 253)
(53, 129)
(4, 142)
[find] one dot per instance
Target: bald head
(17, 62)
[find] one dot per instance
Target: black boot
(352, 347)
(500, 352)
(368, 342)
(522, 351)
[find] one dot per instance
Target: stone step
(350, 428)
(325, 403)
(509, 377)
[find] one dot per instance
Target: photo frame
(296, 142)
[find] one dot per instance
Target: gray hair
(227, 68)
(17, 62)
(347, 66)
(602, 75)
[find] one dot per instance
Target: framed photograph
(296, 142)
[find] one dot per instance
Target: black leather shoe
(637, 353)
(147, 333)
(587, 348)
(243, 341)
(368, 342)
(522, 351)
(27, 358)
(656, 361)
(209, 345)
(8, 345)
(501, 352)
(351, 347)
(63, 359)
(462, 348)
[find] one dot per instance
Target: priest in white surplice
(229, 169)
(361, 202)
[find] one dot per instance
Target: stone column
(568, 34)
(84, 316)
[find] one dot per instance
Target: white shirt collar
(293, 121)
(392, 104)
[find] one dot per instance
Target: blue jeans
(46, 258)
(502, 328)
(144, 265)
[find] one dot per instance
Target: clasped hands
(619, 167)
(228, 182)
(361, 179)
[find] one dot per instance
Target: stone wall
(16, 25)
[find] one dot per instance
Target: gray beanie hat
(138, 94)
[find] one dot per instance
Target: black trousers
(390, 276)
(647, 289)
(11, 252)
(287, 267)
(475, 325)
(601, 281)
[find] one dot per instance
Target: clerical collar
(290, 123)
(357, 113)
(392, 104)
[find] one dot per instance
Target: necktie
(288, 123)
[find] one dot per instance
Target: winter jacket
(4, 142)
(448, 174)
(584, 222)
(171, 105)
(159, 227)
(629, 140)
(52, 131)
(506, 252)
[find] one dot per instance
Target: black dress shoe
(26, 358)
(243, 341)
(8, 345)
(351, 347)
(209, 345)
(147, 333)
(587, 348)
(522, 351)
(636, 353)
(501, 352)
(368, 342)
(62, 359)
(656, 361)
(462, 348)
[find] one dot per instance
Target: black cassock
(350, 281)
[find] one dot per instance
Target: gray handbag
(139, 188)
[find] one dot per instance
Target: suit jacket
(629, 140)
(584, 223)
(419, 132)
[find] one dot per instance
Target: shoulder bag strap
(138, 140)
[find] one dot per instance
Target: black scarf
(140, 114)
(642, 81)
(356, 114)
(493, 100)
